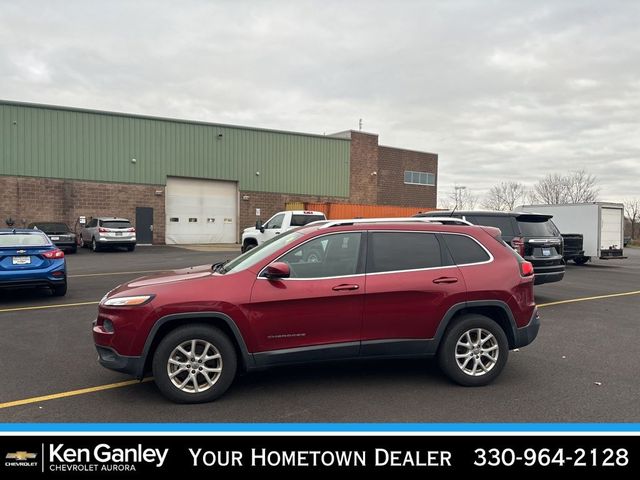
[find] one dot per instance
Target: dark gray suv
(534, 236)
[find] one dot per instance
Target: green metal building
(60, 163)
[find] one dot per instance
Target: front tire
(474, 350)
(194, 364)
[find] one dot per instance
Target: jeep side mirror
(277, 270)
(259, 226)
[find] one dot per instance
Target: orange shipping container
(337, 211)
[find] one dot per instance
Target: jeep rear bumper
(527, 334)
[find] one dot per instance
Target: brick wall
(364, 161)
(392, 162)
(30, 199)
(387, 186)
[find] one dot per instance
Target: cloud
(500, 90)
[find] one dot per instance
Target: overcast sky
(501, 90)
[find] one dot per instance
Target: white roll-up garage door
(201, 211)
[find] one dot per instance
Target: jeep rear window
(545, 228)
(302, 220)
(115, 224)
(465, 250)
(504, 223)
(394, 251)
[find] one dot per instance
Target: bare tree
(632, 210)
(575, 187)
(505, 196)
(581, 187)
(462, 199)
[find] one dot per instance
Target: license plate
(118, 234)
(21, 260)
(55, 238)
(546, 252)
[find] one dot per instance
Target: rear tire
(581, 260)
(131, 248)
(74, 249)
(473, 351)
(59, 290)
(94, 245)
(206, 375)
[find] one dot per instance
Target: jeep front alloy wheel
(194, 364)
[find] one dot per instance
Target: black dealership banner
(139, 455)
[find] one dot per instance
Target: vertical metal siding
(63, 143)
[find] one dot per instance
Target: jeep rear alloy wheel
(477, 352)
(474, 350)
(194, 364)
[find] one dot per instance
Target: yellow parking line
(41, 307)
(115, 273)
(72, 393)
(584, 299)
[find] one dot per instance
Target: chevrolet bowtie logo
(22, 456)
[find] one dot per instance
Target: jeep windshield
(257, 254)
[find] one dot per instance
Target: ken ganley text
(262, 457)
(103, 457)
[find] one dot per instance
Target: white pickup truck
(279, 223)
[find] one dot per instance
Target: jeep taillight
(526, 269)
(102, 230)
(518, 245)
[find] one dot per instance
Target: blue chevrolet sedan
(29, 259)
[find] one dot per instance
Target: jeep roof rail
(436, 220)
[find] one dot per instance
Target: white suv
(109, 232)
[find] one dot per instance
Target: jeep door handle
(345, 286)
(446, 280)
(277, 233)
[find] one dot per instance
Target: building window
(419, 178)
(193, 220)
(174, 219)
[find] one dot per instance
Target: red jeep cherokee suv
(327, 291)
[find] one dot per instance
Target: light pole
(458, 194)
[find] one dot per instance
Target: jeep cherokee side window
(465, 250)
(327, 256)
(394, 251)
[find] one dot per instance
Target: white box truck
(600, 223)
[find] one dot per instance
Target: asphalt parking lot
(583, 367)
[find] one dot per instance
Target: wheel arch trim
(247, 358)
(458, 307)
